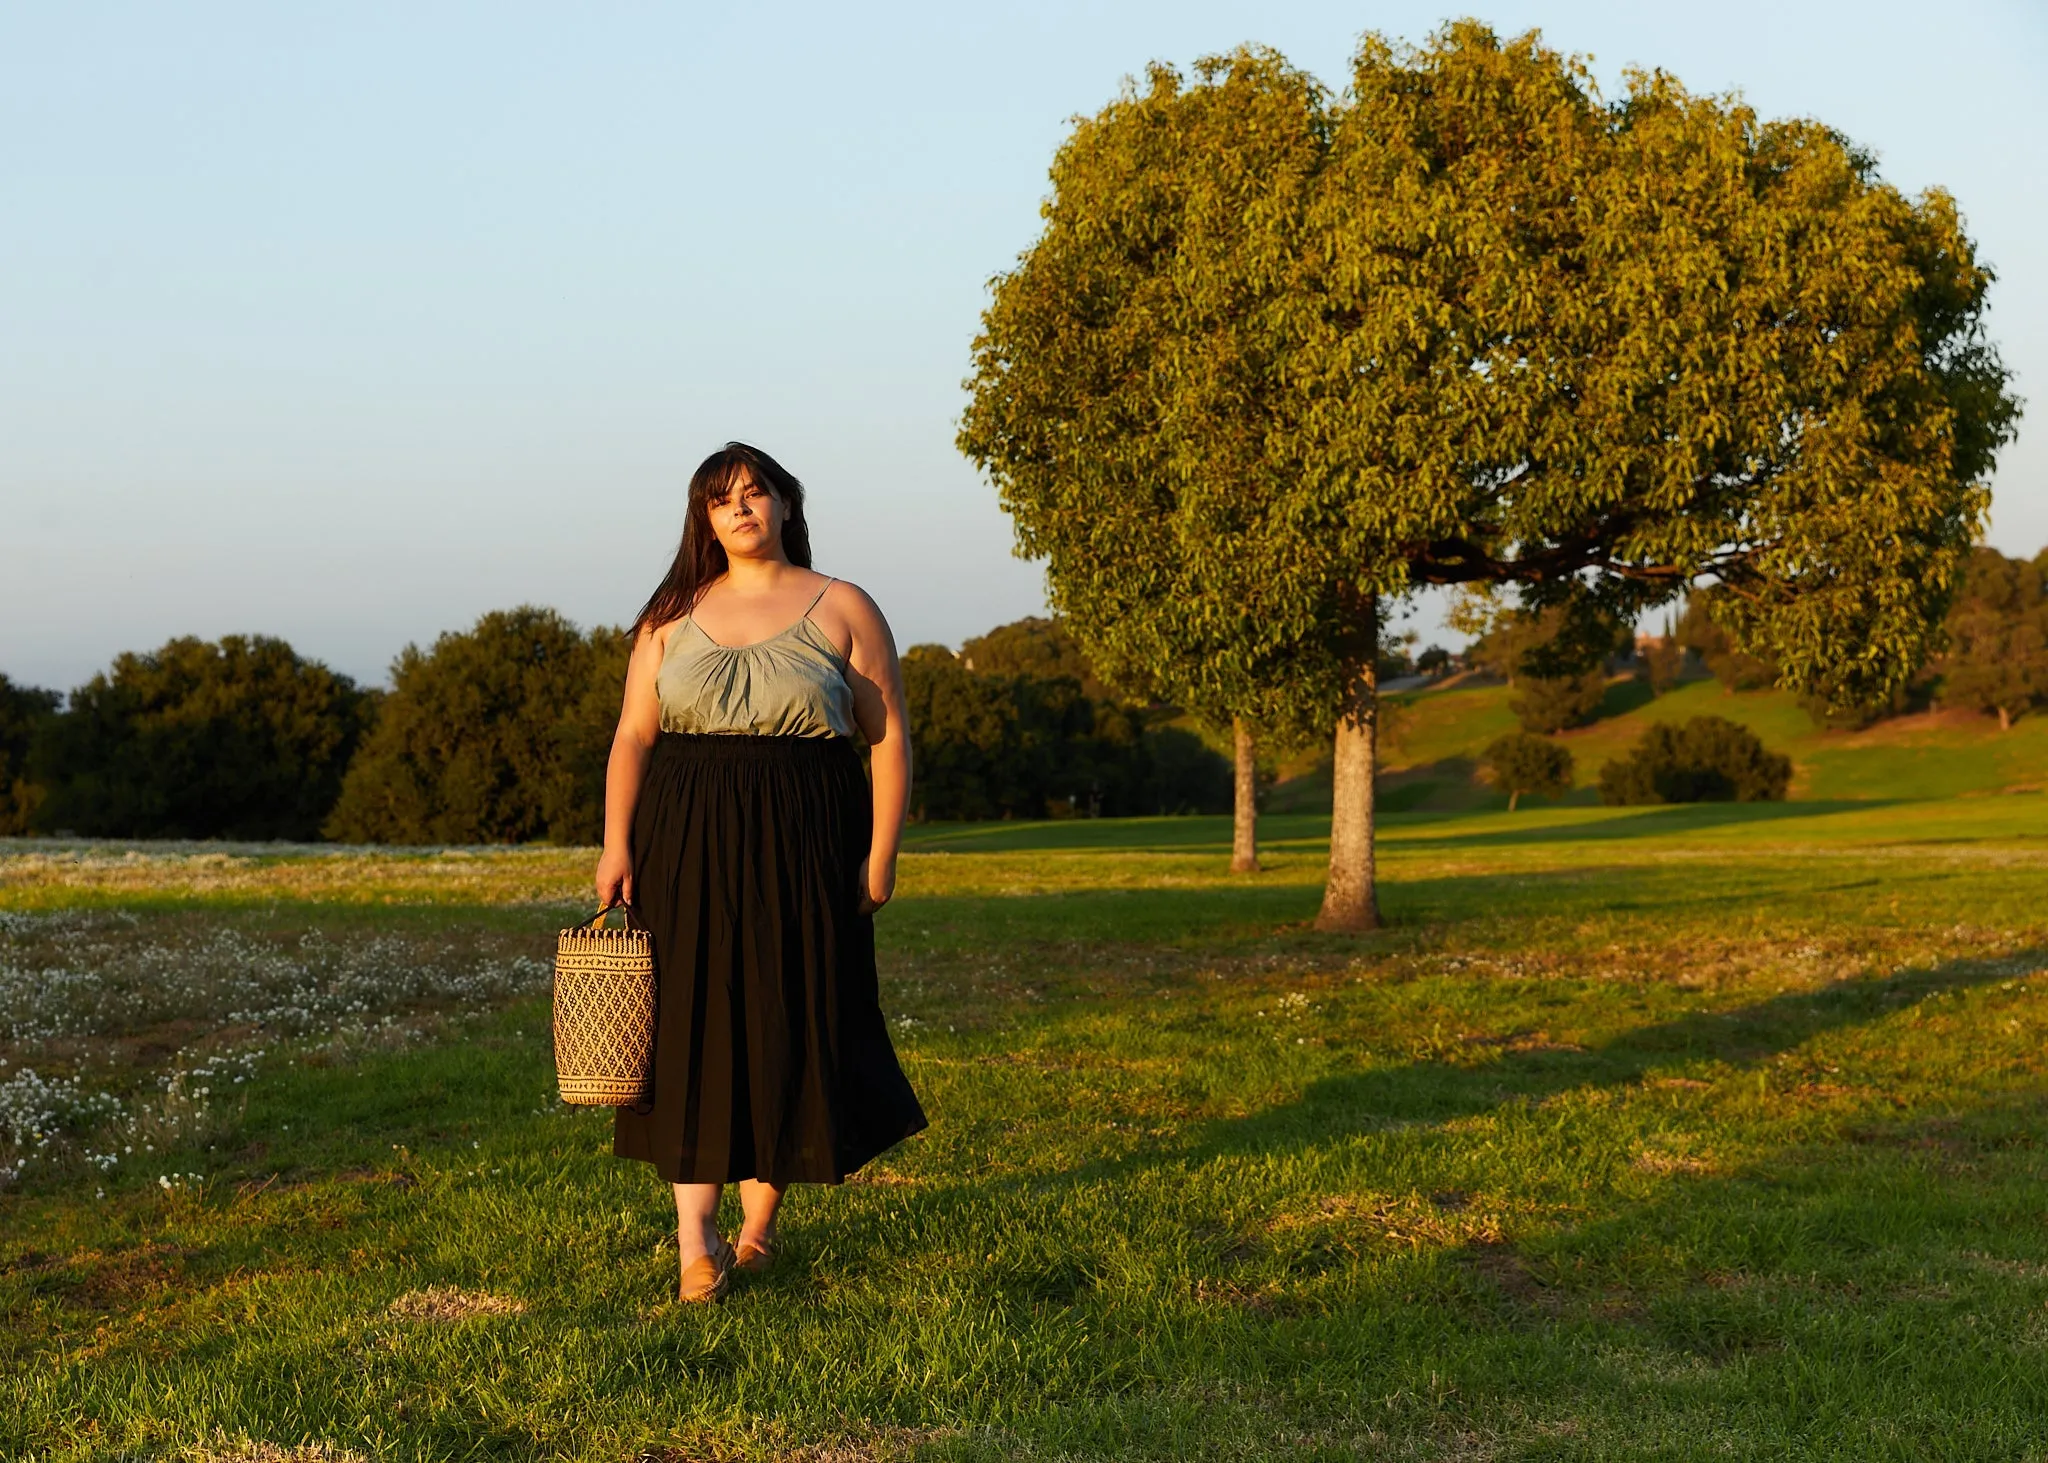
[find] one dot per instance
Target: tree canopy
(1275, 357)
(1033, 646)
(1997, 655)
(240, 738)
(1127, 383)
(1522, 762)
(498, 734)
(998, 744)
(23, 712)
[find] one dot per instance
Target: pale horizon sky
(349, 324)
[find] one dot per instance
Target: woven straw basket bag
(604, 1012)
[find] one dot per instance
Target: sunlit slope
(1438, 736)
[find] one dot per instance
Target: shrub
(1708, 759)
(237, 739)
(1523, 763)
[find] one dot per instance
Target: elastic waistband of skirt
(746, 747)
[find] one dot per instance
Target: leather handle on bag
(632, 916)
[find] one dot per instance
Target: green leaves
(498, 734)
(239, 738)
(1997, 656)
(1131, 382)
(1525, 763)
(1274, 354)
(1708, 759)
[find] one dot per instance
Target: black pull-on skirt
(771, 1057)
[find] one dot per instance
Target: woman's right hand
(614, 877)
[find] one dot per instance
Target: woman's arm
(632, 745)
(877, 681)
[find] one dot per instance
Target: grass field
(1437, 737)
(1665, 1133)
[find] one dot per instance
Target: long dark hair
(700, 559)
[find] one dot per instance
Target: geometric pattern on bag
(604, 1012)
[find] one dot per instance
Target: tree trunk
(2004, 719)
(1244, 823)
(1349, 899)
(1514, 796)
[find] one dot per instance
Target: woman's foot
(705, 1278)
(754, 1255)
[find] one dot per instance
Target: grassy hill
(1438, 735)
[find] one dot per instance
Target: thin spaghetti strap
(820, 595)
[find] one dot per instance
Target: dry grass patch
(449, 1303)
(1443, 1220)
(882, 1178)
(1665, 1165)
(252, 1452)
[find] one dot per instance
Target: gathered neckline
(801, 621)
(751, 644)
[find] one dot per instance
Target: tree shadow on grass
(1274, 918)
(1622, 697)
(1531, 1069)
(1173, 834)
(1808, 1275)
(1403, 823)
(1657, 822)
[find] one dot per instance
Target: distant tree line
(242, 738)
(500, 734)
(1017, 725)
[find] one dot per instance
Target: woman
(739, 827)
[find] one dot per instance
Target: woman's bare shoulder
(851, 617)
(652, 639)
(848, 598)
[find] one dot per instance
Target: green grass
(1437, 737)
(1641, 1133)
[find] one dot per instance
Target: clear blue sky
(348, 323)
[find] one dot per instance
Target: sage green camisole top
(789, 685)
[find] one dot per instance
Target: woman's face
(747, 519)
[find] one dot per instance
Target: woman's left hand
(877, 885)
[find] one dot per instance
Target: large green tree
(497, 734)
(1507, 334)
(239, 738)
(1128, 383)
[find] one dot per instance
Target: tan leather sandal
(754, 1258)
(705, 1278)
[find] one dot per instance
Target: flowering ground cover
(1646, 1133)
